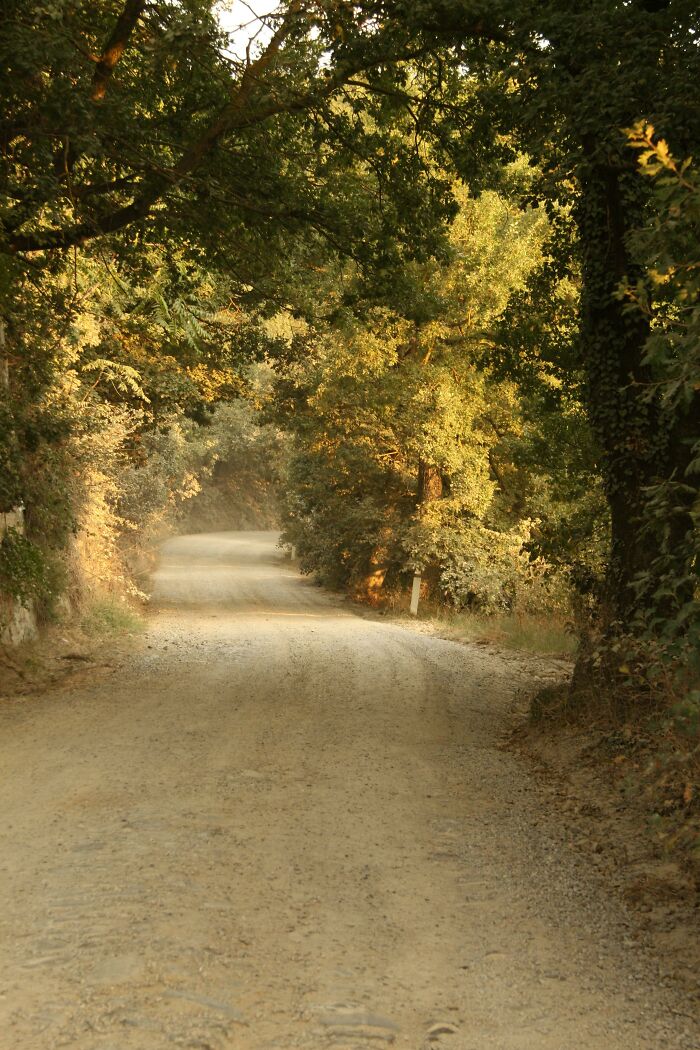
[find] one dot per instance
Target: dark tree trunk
(626, 418)
(429, 489)
(430, 483)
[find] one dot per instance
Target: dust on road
(286, 825)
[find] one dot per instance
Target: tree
(668, 249)
(563, 85)
(402, 429)
(142, 169)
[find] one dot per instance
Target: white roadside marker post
(415, 594)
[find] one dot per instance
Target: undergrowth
(109, 616)
(648, 741)
(534, 634)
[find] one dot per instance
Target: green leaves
(397, 417)
(123, 378)
(23, 571)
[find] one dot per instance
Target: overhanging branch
(114, 48)
(237, 115)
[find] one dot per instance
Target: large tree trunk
(626, 418)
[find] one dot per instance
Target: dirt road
(286, 825)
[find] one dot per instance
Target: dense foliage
(412, 449)
(231, 179)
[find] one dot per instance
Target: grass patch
(547, 633)
(108, 616)
(535, 634)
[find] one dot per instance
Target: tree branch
(66, 158)
(235, 116)
(114, 48)
(229, 118)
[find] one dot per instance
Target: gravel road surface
(281, 824)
